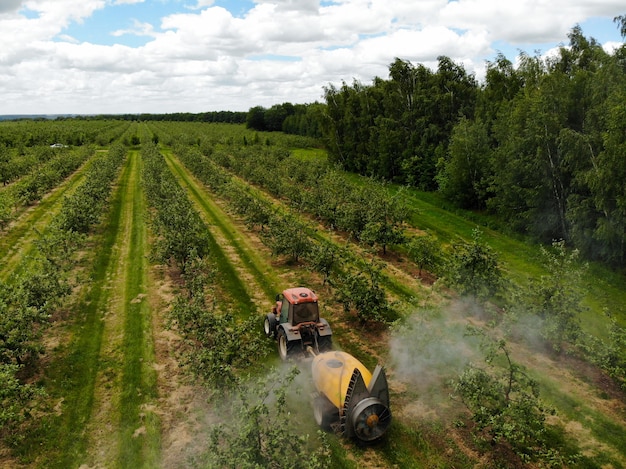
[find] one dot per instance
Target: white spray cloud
(430, 349)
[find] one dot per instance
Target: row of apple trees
(40, 178)
(78, 131)
(40, 283)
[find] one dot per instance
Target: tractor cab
(297, 305)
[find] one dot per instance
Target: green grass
(309, 154)
(138, 383)
(606, 430)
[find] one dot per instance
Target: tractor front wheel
(269, 325)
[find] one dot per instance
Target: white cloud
(525, 21)
(201, 4)
(8, 6)
(138, 29)
(61, 12)
(206, 58)
(127, 2)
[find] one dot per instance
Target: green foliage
(220, 346)
(384, 216)
(6, 209)
(15, 399)
(77, 131)
(504, 403)
(306, 120)
(556, 297)
(463, 175)
(287, 237)
(20, 329)
(426, 252)
(473, 269)
(84, 208)
(182, 234)
(608, 353)
(55, 167)
(299, 119)
(261, 433)
(621, 21)
(323, 258)
(361, 291)
(397, 129)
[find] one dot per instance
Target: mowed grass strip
(139, 425)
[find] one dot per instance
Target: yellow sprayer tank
(349, 398)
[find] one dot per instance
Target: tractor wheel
(269, 325)
(324, 343)
(285, 347)
(324, 412)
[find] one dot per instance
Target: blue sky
(98, 28)
(117, 56)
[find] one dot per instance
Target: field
(137, 281)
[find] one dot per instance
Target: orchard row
(42, 280)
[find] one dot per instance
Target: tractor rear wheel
(285, 347)
(324, 343)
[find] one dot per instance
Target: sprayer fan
(370, 419)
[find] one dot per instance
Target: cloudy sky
(159, 56)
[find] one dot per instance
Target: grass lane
(139, 427)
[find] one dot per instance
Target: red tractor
(296, 324)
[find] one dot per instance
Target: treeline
(298, 119)
(540, 145)
(228, 117)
